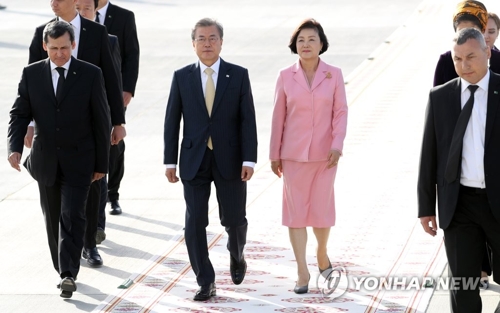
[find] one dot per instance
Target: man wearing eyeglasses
(219, 145)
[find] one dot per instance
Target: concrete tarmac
(256, 36)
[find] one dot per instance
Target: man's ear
(488, 52)
(44, 46)
(73, 45)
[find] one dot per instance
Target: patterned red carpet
(167, 284)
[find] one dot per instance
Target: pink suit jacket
(308, 122)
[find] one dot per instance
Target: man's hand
(97, 176)
(127, 96)
(276, 168)
(171, 175)
(333, 158)
(15, 160)
(28, 139)
(430, 229)
(118, 134)
(246, 173)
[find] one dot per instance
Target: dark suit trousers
(116, 169)
(92, 214)
(472, 225)
(231, 196)
(102, 203)
(63, 207)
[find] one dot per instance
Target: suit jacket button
(57, 129)
(58, 110)
(58, 148)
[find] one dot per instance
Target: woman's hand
(333, 158)
(276, 167)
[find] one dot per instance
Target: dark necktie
(60, 83)
(97, 17)
(455, 154)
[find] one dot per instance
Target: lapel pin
(84, 29)
(109, 16)
(74, 73)
(495, 92)
(227, 75)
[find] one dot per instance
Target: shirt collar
(102, 11)
(75, 22)
(483, 83)
(66, 65)
(214, 66)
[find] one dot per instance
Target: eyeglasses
(203, 40)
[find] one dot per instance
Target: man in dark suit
(88, 9)
(460, 161)
(66, 99)
(215, 101)
(92, 45)
(121, 23)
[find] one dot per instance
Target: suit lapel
(222, 82)
(83, 36)
(197, 89)
(321, 74)
(48, 85)
(456, 101)
(71, 78)
(109, 16)
(492, 107)
(299, 76)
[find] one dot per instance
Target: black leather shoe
(58, 286)
(205, 292)
(115, 208)
(68, 286)
(238, 270)
(93, 257)
(100, 236)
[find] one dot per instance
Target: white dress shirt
(473, 143)
(204, 78)
(102, 13)
(77, 25)
(55, 73)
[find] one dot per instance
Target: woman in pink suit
(308, 130)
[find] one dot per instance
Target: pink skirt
(308, 197)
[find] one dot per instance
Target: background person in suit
(310, 97)
(71, 144)
(92, 45)
(459, 161)
(88, 9)
(219, 145)
(121, 23)
(469, 13)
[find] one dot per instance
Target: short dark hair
(308, 24)
(57, 29)
(206, 22)
(96, 4)
(465, 34)
(467, 18)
